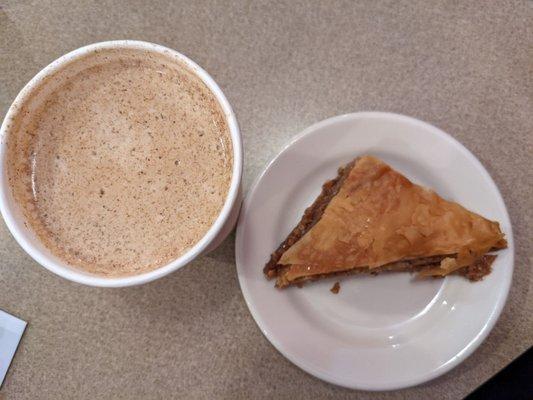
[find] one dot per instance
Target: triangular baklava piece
(371, 219)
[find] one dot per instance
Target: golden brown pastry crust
(311, 216)
(378, 217)
(473, 272)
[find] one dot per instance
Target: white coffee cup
(15, 219)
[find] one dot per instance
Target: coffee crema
(123, 166)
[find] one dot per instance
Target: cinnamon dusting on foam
(124, 166)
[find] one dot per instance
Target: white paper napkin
(11, 330)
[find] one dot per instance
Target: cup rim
(73, 274)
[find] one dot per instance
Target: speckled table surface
(466, 67)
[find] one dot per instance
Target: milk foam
(125, 165)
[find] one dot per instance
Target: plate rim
(464, 353)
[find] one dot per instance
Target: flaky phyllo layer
(371, 219)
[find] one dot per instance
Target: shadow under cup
(32, 96)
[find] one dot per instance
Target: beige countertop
(466, 67)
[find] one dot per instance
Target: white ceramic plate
(385, 332)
